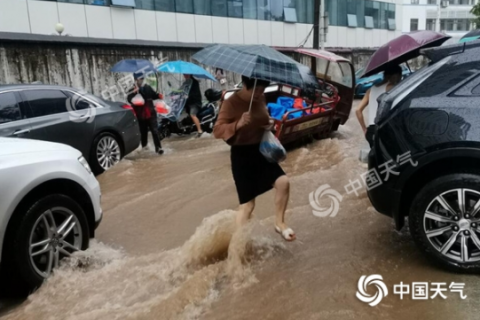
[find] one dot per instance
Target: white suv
(49, 208)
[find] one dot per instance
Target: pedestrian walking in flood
(242, 122)
(141, 97)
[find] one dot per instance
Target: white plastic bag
(161, 107)
(138, 100)
(271, 148)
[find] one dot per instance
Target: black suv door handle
(21, 131)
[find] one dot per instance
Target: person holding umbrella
(146, 114)
(194, 101)
(243, 120)
(242, 127)
(392, 77)
(388, 58)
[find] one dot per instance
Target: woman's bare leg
(245, 212)
(282, 186)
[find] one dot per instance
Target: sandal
(287, 234)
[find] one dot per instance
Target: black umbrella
(259, 62)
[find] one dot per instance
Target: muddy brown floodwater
(168, 248)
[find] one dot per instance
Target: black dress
(252, 173)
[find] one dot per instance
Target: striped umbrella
(259, 62)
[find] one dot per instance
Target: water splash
(106, 283)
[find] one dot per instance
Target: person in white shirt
(392, 76)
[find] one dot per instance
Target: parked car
(49, 208)
(364, 84)
(103, 131)
(427, 132)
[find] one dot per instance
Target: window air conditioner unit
(444, 3)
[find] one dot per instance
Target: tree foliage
(476, 12)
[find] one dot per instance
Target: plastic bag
(161, 107)
(138, 100)
(271, 148)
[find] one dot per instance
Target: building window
(391, 16)
(431, 23)
(235, 8)
(276, 10)
(415, 1)
(123, 3)
(447, 24)
(164, 5)
(202, 7)
(352, 20)
(392, 24)
(369, 22)
(145, 4)
(184, 6)
(463, 25)
(372, 9)
(413, 24)
(250, 9)
(432, 2)
(219, 8)
(263, 8)
(290, 15)
(301, 11)
(305, 10)
(360, 11)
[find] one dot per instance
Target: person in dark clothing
(146, 114)
(194, 101)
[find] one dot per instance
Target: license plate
(309, 124)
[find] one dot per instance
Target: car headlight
(85, 164)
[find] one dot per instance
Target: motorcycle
(173, 118)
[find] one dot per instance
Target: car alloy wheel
(451, 223)
(56, 234)
(108, 152)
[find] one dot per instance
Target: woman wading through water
(242, 128)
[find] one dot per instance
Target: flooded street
(167, 247)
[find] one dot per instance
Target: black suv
(425, 163)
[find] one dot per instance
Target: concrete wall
(82, 67)
(88, 67)
(40, 17)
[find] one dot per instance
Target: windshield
(359, 72)
(340, 73)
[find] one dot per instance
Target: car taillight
(129, 107)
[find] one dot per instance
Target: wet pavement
(168, 247)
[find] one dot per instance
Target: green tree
(476, 12)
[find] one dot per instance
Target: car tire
(113, 153)
(20, 268)
(447, 235)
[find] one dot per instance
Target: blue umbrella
(134, 66)
(186, 68)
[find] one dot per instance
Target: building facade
(284, 23)
(455, 17)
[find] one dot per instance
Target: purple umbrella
(402, 49)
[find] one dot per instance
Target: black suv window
(9, 110)
(46, 102)
(77, 102)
